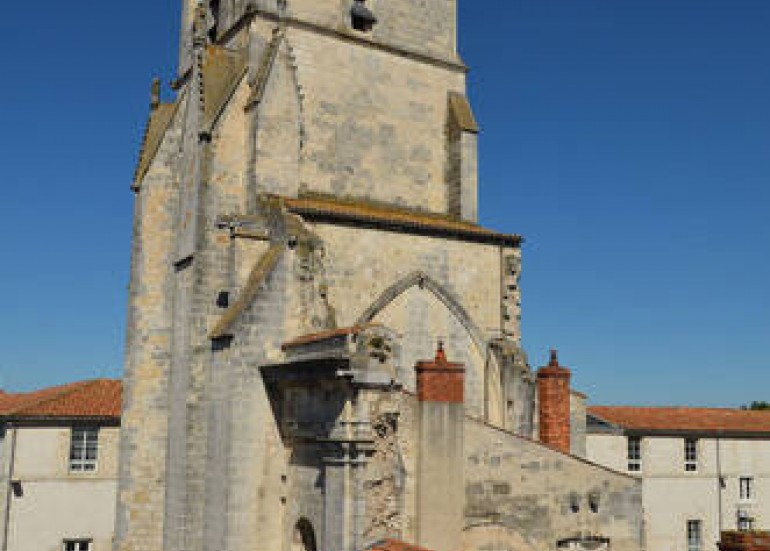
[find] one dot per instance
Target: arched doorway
(303, 538)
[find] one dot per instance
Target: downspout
(8, 489)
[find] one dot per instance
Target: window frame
(694, 535)
(745, 522)
(77, 544)
(83, 450)
(691, 455)
(634, 454)
(746, 491)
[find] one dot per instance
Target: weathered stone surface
(234, 441)
(543, 494)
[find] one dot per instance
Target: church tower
(305, 231)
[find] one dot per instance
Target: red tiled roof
(394, 545)
(684, 419)
(96, 398)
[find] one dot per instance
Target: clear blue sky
(629, 142)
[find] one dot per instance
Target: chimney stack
(441, 459)
(553, 390)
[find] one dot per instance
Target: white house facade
(58, 455)
(704, 471)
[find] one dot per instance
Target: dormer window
(361, 18)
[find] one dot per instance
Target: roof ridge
(65, 391)
(365, 202)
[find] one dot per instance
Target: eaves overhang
(58, 420)
(361, 214)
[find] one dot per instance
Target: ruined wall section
(546, 495)
(141, 491)
(361, 266)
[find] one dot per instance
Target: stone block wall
(351, 114)
(144, 435)
(546, 496)
(374, 122)
(578, 433)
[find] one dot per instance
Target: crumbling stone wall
(545, 495)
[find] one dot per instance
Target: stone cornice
(345, 34)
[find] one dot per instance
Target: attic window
(361, 18)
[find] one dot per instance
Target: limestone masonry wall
(545, 495)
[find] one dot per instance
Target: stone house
(704, 471)
(58, 467)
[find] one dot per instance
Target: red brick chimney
(553, 383)
(440, 453)
(440, 380)
(745, 541)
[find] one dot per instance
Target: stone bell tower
(305, 229)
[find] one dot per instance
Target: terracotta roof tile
(395, 217)
(96, 398)
(324, 335)
(394, 545)
(684, 419)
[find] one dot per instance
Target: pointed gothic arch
(494, 536)
(424, 281)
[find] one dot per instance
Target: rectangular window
(745, 520)
(746, 488)
(690, 454)
(84, 449)
(694, 538)
(77, 545)
(634, 453)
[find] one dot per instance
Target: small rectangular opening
(634, 453)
